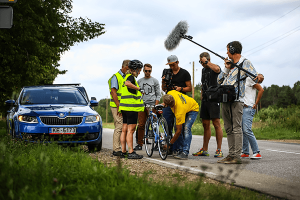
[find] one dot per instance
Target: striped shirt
(230, 76)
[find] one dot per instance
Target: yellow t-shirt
(183, 105)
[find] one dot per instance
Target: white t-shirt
(250, 92)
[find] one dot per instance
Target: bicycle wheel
(164, 143)
(149, 138)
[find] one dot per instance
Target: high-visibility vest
(129, 101)
(120, 82)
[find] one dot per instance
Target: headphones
(231, 49)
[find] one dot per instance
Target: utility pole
(193, 86)
(106, 108)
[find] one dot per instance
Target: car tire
(93, 147)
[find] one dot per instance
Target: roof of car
(54, 85)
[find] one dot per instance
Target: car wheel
(96, 147)
(13, 135)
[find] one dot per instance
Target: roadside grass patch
(51, 171)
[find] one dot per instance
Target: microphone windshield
(174, 38)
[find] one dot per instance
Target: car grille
(69, 120)
(47, 137)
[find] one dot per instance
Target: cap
(171, 59)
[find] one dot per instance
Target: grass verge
(50, 171)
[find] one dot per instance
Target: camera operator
(232, 112)
(210, 111)
(179, 80)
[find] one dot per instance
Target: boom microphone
(179, 32)
(175, 36)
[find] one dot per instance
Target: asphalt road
(277, 173)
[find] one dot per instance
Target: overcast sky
(267, 29)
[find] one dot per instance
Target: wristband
(181, 89)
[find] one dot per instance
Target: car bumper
(85, 133)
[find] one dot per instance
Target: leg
(129, 137)
(207, 133)
(247, 128)
(118, 122)
(189, 121)
(244, 127)
(123, 137)
(142, 116)
(228, 127)
(169, 116)
(219, 132)
(237, 114)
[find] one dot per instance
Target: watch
(181, 89)
(206, 62)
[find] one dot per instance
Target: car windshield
(52, 96)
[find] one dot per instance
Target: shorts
(210, 110)
(129, 117)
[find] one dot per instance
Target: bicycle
(156, 132)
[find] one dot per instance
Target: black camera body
(168, 73)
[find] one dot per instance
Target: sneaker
(234, 161)
(117, 153)
(181, 156)
(218, 154)
(133, 155)
(256, 156)
(137, 147)
(228, 158)
(201, 153)
(245, 155)
(124, 155)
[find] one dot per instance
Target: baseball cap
(171, 59)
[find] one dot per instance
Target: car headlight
(27, 119)
(92, 119)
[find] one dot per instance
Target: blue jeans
(186, 133)
(248, 136)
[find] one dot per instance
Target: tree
(31, 49)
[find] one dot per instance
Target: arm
(177, 134)
(224, 72)
(188, 87)
(214, 67)
(131, 86)
(259, 95)
(157, 91)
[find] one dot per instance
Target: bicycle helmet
(135, 64)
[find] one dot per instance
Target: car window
(52, 96)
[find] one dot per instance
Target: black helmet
(135, 64)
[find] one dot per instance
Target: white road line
(283, 151)
(181, 166)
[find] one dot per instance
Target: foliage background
(31, 49)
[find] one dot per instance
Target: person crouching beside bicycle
(130, 104)
(185, 110)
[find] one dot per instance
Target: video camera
(167, 73)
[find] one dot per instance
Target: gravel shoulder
(155, 172)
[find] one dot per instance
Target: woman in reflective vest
(130, 104)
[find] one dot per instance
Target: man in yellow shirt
(185, 110)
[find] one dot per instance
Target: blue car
(60, 113)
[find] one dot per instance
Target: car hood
(57, 110)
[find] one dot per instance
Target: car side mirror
(93, 98)
(94, 103)
(10, 102)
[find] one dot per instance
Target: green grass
(50, 171)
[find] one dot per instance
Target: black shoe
(124, 155)
(117, 153)
(133, 155)
(137, 147)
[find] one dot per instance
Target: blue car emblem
(61, 115)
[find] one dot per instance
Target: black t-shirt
(132, 80)
(209, 78)
(180, 78)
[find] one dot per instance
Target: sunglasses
(147, 70)
(201, 62)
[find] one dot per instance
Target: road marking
(181, 166)
(283, 151)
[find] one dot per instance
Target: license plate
(65, 131)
